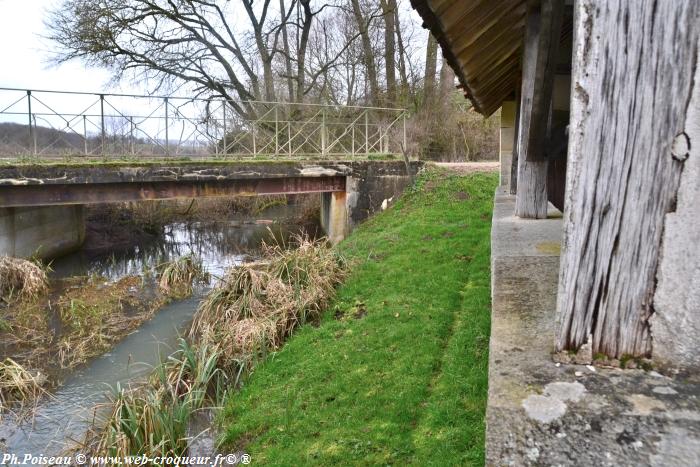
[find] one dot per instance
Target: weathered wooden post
(633, 77)
(506, 142)
(542, 33)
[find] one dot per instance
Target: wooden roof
(482, 42)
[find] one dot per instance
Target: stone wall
(369, 186)
(675, 324)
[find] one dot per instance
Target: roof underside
(482, 42)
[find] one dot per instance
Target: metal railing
(45, 123)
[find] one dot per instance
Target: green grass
(396, 372)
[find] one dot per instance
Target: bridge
(62, 150)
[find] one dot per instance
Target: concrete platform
(542, 413)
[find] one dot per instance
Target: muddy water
(63, 417)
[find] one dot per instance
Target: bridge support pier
(336, 211)
(45, 232)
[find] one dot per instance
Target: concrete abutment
(44, 232)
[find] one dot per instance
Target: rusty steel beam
(47, 195)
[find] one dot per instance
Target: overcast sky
(25, 53)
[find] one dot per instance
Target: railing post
(289, 138)
(277, 130)
(32, 140)
(167, 134)
(255, 148)
(404, 148)
(366, 134)
(131, 134)
(353, 139)
(85, 142)
(225, 130)
(102, 121)
(323, 132)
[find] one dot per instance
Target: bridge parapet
(57, 123)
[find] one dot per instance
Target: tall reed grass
(250, 312)
(177, 277)
(152, 419)
(257, 305)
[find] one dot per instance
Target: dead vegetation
(178, 277)
(257, 305)
(92, 314)
(21, 280)
(97, 314)
(249, 313)
(18, 386)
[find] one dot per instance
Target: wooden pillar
(632, 81)
(514, 157)
(542, 32)
(506, 142)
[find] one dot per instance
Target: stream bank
(143, 322)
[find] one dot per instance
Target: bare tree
(388, 10)
(363, 22)
(168, 42)
(430, 67)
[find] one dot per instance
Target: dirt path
(470, 167)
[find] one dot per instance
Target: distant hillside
(14, 137)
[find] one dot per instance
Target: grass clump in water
(21, 280)
(257, 305)
(17, 385)
(97, 314)
(177, 277)
(152, 419)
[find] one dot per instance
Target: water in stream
(64, 416)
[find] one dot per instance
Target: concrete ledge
(169, 171)
(542, 414)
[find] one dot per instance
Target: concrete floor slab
(543, 413)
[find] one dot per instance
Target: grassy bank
(396, 372)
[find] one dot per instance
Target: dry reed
(18, 386)
(21, 280)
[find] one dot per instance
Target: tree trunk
(634, 64)
(287, 53)
(402, 50)
(447, 79)
(388, 9)
(430, 68)
(301, 53)
(367, 53)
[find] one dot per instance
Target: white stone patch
(544, 409)
(317, 171)
(533, 454)
(565, 391)
(665, 390)
(644, 405)
(550, 406)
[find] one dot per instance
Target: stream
(64, 416)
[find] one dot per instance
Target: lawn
(396, 371)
